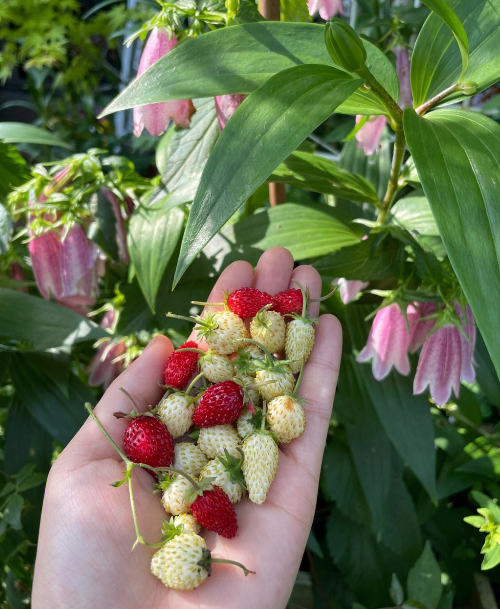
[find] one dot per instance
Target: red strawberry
(289, 301)
(147, 440)
(181, 366)
(247, 302)
(214, 511)
(221, 404)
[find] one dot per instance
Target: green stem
(395, 112)
(231, 562)
(435, 100)
(193, 383)
(250, 340)
(299, 378)
(182, 317)
(109, 438)
(392, 187)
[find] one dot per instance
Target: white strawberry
(286, 418)
(174, 499)
(213, 440)
(275, 381)
(177, 563)
(215, 367)
(189, 458)
(300, 334)
(268, 329)
(260, 464)
(226, 473)
(248, 422)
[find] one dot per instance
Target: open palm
(86, 533)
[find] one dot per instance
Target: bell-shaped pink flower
(370, 134)
(102, 369)
(388, 342)
(226, 106)
(403, 71)
(440, 364)
(467, 371)
(421, 327)
(121, 234)
(155, 117)
(326, 8)
(350, 288)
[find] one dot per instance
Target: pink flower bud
(370, 134)
(45, 259)
(439, 365)
(121, 235)
(350, 288)
(102, 370)
(226, 106)
(388, 342)
(155, 117)
(326, 8)
(403, 70)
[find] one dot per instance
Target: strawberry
(185, 523)
(287, 302)
(214, 511)
(268, 329)
(286, 418)
(216, 367)
(300, 334)
(189, 458)
(181, 366)
(220, 404)
(247, 302)
(175, 490)
(248, 422)
(213, 440)
(260, 464)
(275, 381)
(225, 472)
(147, 440)
(176, 410)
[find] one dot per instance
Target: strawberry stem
(261, 346)
(193, 383)
(207, 304)
(184, 318)
(190, 349)
(123, 390)
(295, 389)
(324, 297)
(264, 410)
(231, 562)
(109, 438)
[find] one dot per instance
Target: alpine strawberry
(287, 302)
(220, 404)
(181, 366)
(226, 473)
(175, 494)
(248, 422)
(286, 418)
(300, 334)
(247, 302)
(176, 410)
(214, 511)
(213, 440)
(189, 458)
(275, 381)
(268, 329)
(147, 440)
(177, 563)
(260, 464)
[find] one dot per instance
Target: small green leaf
(424, 580)
(396, 591)
(23, 133)
(13, 510)
(491, 559)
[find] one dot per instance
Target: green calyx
(198, 488)
(171, 530)
(204, 325)
(232, 466)
(262, 432)
(269, 362)
(344, 46)
(306, 298)
(206, 562)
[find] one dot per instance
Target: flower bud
(344, 46)
(468, 88)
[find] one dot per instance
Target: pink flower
(121, 235)
(388, 342)
(467, 371)
(17, 273)
(155, 117)
(102, 370)
(226, 106)
(370, 134)
(440, 364)
(350, 288)
(326, 8)
(403, 70)
(66, 271)
(421, 328)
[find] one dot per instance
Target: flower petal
(370, 134)
(226, 106)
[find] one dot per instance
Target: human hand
(86, 532)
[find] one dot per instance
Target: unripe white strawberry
(189, 458)
(268, 328)
(174, 498)
(286, 418)
(188, 523)
(213, 440)
(176, 412)
(215, 367)
(251, 392)
(275, 381)
(260, 464)
(248, 422)
(177, 562)
(253, 350)
(299, 342)
(227, 474)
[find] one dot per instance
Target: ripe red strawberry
(147, 440)
(287, 302)
(214, 511)
(181, 366)
(221, 404)
(247, 302)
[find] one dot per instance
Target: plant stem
(232, 562)
(109, 438)
(397, 161)
(435, 100)
(395, 112)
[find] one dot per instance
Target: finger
(308, 277)
(273, 271)
(317, 387)
(140, 380)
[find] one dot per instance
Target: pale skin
(86, 534)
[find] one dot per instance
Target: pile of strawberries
(241, 400)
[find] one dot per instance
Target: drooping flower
(421, 327)
(388, 342)
(66, 270)
(326, 8)
(403, 71)
(370, 134)
(155, 117)
(121, 235)
(350, 288)
(440, 364)
(467, 371)
(102, 369)
(226, 106)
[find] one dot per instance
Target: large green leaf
(55, 325)
(263, 131)
(152, 239)
(413, 212)
(13, 170)
(23, 133)
(424, 580)
(240, 59)
(436, 60)
(316, 173)
(457, 154)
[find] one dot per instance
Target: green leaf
(13, 170)
(105, 227)
(240, 59)
(487, 502)
(485, 372)
(413, 212)
(55, 325)
(396, 591)
(457, 154)
(316, 173)
(491, 559)
(23, 133)
(436, 60)
(263, 131)
(152, 239)
(443, 10)
(13, 510)
(5, 230)
(424, 580)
